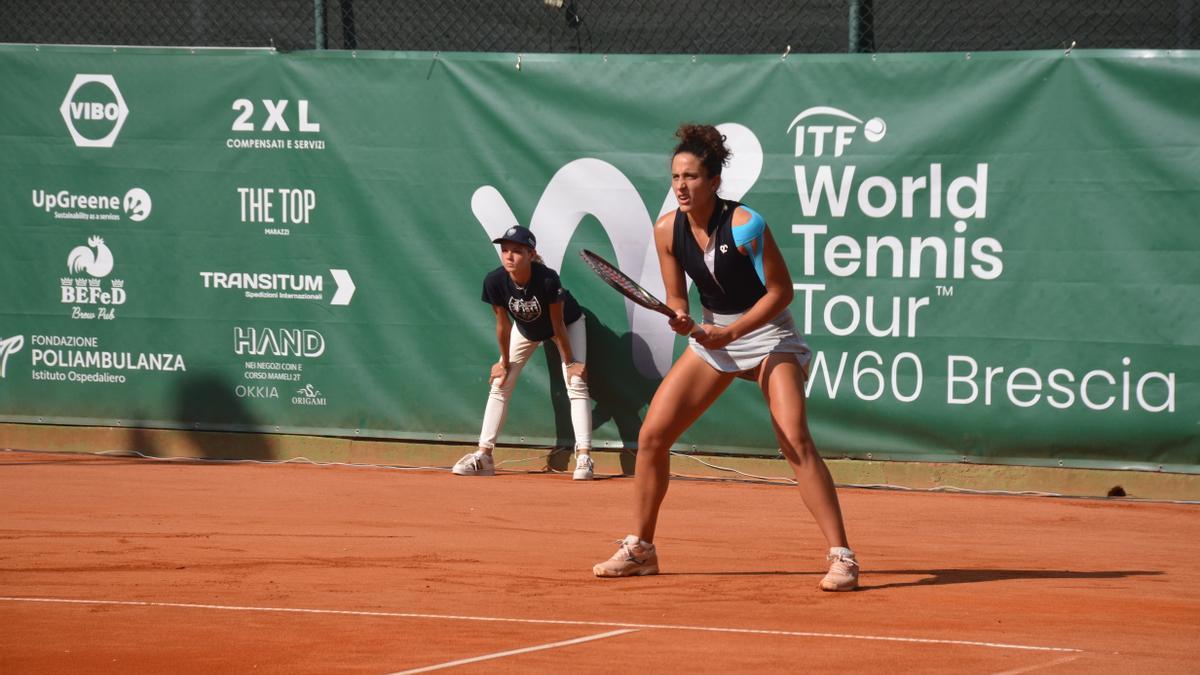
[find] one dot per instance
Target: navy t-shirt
(529, 305)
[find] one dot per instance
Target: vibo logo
(94, 111)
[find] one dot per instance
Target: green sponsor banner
(994, 255)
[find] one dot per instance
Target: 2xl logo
(94, 111)
(8, 347)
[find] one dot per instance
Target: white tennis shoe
(633, 559)
(475, 464)
(843, 571)
(585, 468)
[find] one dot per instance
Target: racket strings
(620, 281)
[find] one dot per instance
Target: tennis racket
(628, 287)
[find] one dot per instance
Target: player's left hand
(577, 369)
(715, 337)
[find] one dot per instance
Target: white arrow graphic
(593, 187)
(345, 287)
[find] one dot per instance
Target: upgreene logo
(94, 111)
(137, 204)
(8, 347)
(66, 205)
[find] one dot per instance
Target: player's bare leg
(686, 392)
(781, 379)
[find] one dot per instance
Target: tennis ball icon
(874, 129)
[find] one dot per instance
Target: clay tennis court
(115, 564)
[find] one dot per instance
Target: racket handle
(696, 332)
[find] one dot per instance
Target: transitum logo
(8, 347)
(94, 111)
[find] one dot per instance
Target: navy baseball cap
(518, 235)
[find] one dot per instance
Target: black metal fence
(611, 26)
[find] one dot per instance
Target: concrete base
(848, 472)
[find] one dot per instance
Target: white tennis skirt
(779, 335)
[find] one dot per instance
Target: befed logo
(97, 263)
(89, 265)
(94, 111)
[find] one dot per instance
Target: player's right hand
(682, 324)
(499, 373)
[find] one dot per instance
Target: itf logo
(8, 347)
(828, 130)
(94, 111)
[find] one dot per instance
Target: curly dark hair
(706, 143)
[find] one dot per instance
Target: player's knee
(799, 448)
(654, 439)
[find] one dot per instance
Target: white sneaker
(843, 571)
(584, 467)
(633, 559)
(475, 464)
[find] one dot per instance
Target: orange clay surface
(132, 565)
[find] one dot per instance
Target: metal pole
(1183, 14)
(861, 19)
(349, 28)
(853, 22)
(319, 22)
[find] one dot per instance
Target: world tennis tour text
(936, 222)
(945, 257)
(870, 376)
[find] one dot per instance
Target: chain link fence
(610, 26)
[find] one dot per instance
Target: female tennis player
(525, 290)
(745, 289)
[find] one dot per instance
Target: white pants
(520, 349)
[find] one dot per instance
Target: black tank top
(736, 287)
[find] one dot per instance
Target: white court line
(1055, 662)
(524, 650)
(555, 622)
